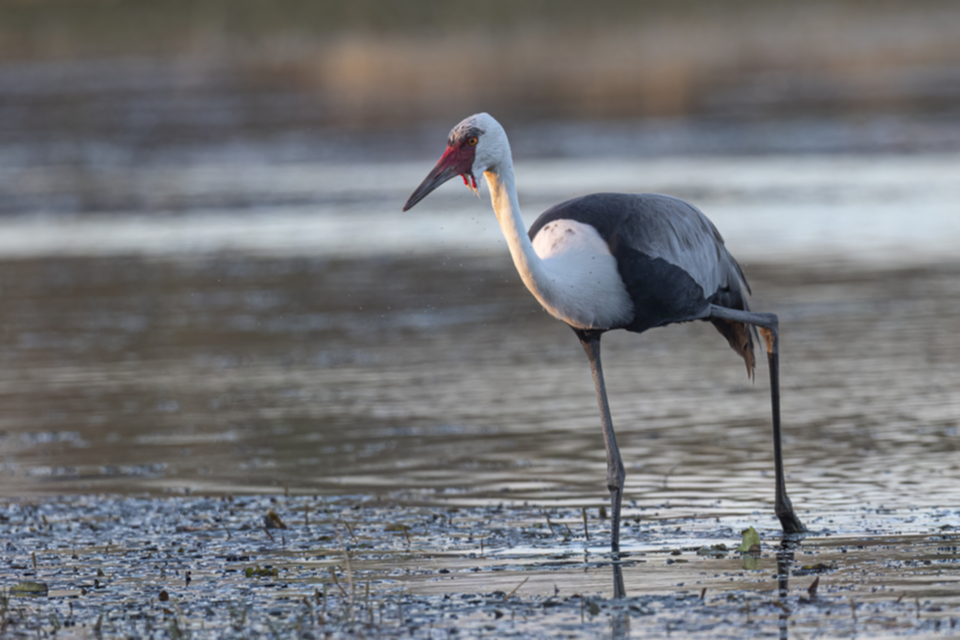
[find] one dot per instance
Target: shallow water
(315, 339)
(441, 376)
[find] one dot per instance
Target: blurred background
(127, 107)
(208, 283)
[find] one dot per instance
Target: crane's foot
(618, 589)
(790, 522)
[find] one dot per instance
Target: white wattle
(568, 268)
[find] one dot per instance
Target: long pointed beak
(449, 165)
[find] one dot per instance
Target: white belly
(581, 284)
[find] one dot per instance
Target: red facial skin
(456, 160)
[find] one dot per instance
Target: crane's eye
(472, 141)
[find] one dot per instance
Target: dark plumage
(671, 258)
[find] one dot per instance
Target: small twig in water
(333, 572)
(510, 595)
(586, 533)
(366, 603)
(346, 555)
(349, 529)
(783, 607)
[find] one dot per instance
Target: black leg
(615, 471)
(782, 505)
(769, 328)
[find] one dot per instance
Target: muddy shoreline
(309, 567)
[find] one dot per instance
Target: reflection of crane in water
(617, 261)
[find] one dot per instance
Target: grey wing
(656, 226)
(679, 233)
(669, 228)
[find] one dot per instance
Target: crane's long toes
(791, 523)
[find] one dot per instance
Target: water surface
(438, 374)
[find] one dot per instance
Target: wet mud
(314, 567)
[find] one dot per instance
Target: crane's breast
(580, 283)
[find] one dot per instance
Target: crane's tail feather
(740, 336)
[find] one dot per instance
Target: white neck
(577, 278)
(503, 195)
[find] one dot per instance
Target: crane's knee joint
(615, 480)
(771, 335)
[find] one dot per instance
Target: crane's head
(476, 145)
